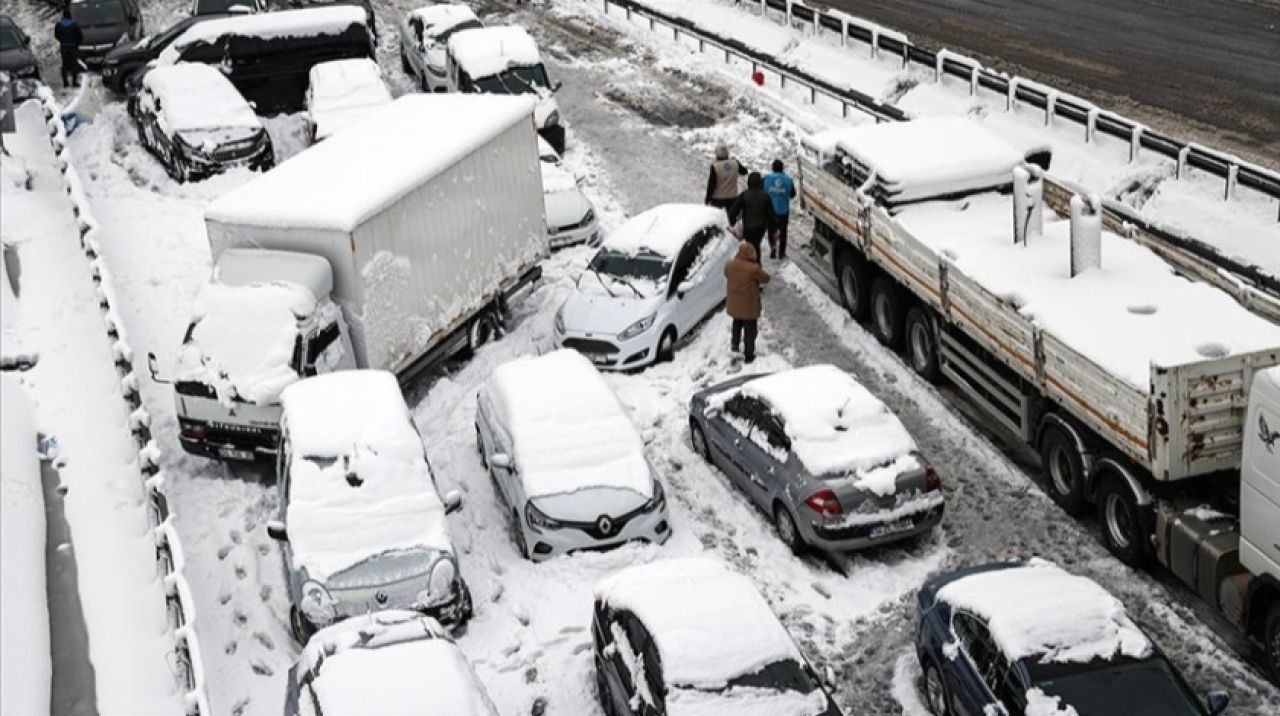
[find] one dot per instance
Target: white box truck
(393, 245)
(1152, 398)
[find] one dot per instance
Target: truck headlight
(537, 519)
(318, 606)
(552, 119)
(638, 327)
(560, 320)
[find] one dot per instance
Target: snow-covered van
(395, 268)
(505, 60)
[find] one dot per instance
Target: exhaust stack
(1028, 203)
(1086, 233)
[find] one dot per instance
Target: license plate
(598, 358)
(892, 528)
(233, 454)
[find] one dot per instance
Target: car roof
(663, 229)
(486, 51)
(195, 96)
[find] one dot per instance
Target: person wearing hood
(722, 183)
(744, 278)
(69, 36)
(755, 209)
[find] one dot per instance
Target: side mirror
(501, 460)
(829, 677)
(711, 412)
(1217, 702)
(556, 87)
(685, 286)
(452, 502)
(276, 531)
(152, 366)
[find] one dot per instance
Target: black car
(130, 55)
(366, 4)
(224, 7)
(16, 56)
(1005, 638)
(103, 23)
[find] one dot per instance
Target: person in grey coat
(722, 182)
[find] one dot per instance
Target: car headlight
(537, 519)
(659, 499)
(318, 606)
(552, 119)
(638, 327)
(439, 584)
(560, 320)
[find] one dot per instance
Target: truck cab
(1260, 512)
(265, 320)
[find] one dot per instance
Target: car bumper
(238, 445)
(606, 352)
(844, 535)
(653, 527)
(203, 167)
(588, 234)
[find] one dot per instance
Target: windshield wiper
(600, 278)
(629, 285)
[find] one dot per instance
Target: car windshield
(515, 80)
(646, 265)
(1134, 688)
(785, 675)
(385, 569)
(9, 39)
(443, 37)
(209, 7)
(103, 12)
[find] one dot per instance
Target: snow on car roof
(1040, 610)
(556, 180)
(486, 51)
(359, 485)
(195, 96)
(314, 189)
(664, 229)
(344, 91)
(569, 430)
(303, 22)
(1130, 313)
(440, 18)
(711, 625)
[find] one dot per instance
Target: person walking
(781, 189)
(743, 279)
(69, 36)
(722, 182)
(755, 209)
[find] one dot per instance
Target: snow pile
(570, 432)
(25, 668)
(305, 22)
(359, 484)
(14, 348)
(487, 51)
(664, 229)
(344, 91)
(711, 625)
(243, 339)
(1041, 704)
(1038, 610)
(556, 180)
(439, 19)
(195, 97)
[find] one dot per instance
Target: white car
(653, 280)
(342, 92)
(424, 40)
(571, 219)
(505, 60)
(569, 466)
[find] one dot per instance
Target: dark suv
(16, 57)
(131, 55)
(103, 23)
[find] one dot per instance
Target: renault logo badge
(604, 524)
(381, 596)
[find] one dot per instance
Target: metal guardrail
(1252, 288)
(170, 559)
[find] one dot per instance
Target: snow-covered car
(16, 57)
(130, 56)
(196, 123)
(571, 219)
(688, 637)
(342, 92)
(569, 466)
(1029, 637)
(653, 280)
(103, 23)
(227, 7)
(424, 41)
(361, 525)
(821, 455)
(505, 60)
(389, 662)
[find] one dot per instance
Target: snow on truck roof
(303, 22)
(664, 229)
(196, 96)
(711, 625)
(486, 51)
(439, 18)
(327, 186)
(551, 403)
(1039, 610)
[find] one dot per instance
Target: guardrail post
(675, 33)
(1091, 124)
(1011, 99)
(702, 45)
(974, 73)
(652, 25)
(906, 55)
(726, 57)
(1233, 171)
(789, 16)
(1182, 161)
(844, 32)
(844, 109)
(1050, 107)
(628, 14)
(813, 97)
(816, 27)
(782, 80)
(1135, 143)
(938, 61)
(764, 8)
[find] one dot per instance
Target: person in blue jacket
(781, 189)
(69, 37)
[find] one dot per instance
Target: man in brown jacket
(743, 279)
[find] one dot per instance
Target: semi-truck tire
(922, 343)
(853, 277)
(1126, 528)
(888, 311)
(1063, 468)
(1271, 641)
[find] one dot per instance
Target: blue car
(1010, 637)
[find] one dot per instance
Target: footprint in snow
(241, 572)
(497, 594)
(264, 592)
(571, 629)
(264, 549)
(223, 551)
(240, 707)
(231, 648)
(579, 648)
(224, 598)
(239, 618)
(261, 669)
(264, 640)
(235, 536)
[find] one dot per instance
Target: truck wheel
(486, 327)
(887, 314)
(922, 343)
(1271, 642)
(1124, 523)
(1063, 468)
(853, 278)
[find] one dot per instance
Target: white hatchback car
(571, 219)
(567, 462)
(342, 92)
(424, 41)
(653, 280)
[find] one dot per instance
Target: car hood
(130, 50)
(16, 58)
(565, 208)
(592, 311)
(589, 504)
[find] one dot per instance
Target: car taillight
(932, 480)
(192, 429)
(824, 502)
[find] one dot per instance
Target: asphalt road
(1208, 69)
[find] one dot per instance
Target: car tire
(299, 626)
(1062, 467)
(787, 530)
(698, 437)
(485, 328)
(1271, 642)
(853, 279)
(404, 64)
(602, 691)
(517, 533)
(936, 698)
(1124, 522)
(922, 343)
(666, 351)
(888, 312)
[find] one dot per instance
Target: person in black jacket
(755, 209)
(69, 37)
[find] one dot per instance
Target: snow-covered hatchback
(343, 92)
(688, 637)
(196, 123)
(394, 662)
(568, 464)
(361, 525)
(821, 455)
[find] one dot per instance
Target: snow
(711, 625)
(1038, 610)
(492, 50)
(343, 92)
(663, 229)
(359, 485)
(25, 666)
(403, 139)
(195, 96)
(569, 430)
(745, 701)
(438, 19)
(305, 22)
(13, 347)
(1129, 314)
(1041, 704)
(556, 180)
